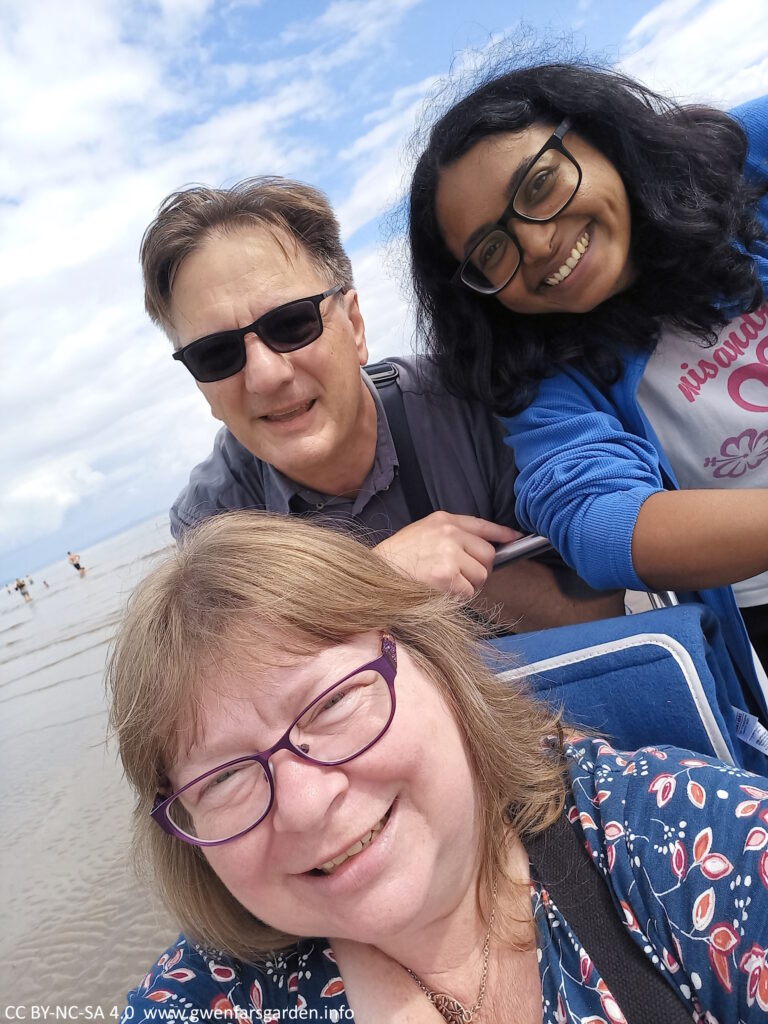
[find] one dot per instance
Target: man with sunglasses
(254, 289)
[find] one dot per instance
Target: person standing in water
(74, 560)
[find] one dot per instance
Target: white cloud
(380, 171)
(710, 50)
(380, 281)
(183, 12)
(40, 495)
(358, 22)
(392, 123)
(665, 18)
(64, 71)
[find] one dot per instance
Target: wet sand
(78, 929)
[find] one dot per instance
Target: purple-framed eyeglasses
(344, 721)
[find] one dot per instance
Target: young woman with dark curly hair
(591, 260)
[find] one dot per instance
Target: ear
(352, 307)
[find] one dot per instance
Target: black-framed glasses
(340, 724)
(550, 183)
(283, 329)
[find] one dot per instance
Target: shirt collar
(280, 491)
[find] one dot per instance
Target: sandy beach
(78, 929)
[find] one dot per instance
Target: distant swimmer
(21, 586)
(74, 561)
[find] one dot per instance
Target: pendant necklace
(450, 1009)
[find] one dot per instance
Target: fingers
(481, 551)
(463, 543)
(470, 576)
(448, 552)
(460, 565)
(492, 532)
(461, 587)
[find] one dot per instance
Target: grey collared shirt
(466, 467)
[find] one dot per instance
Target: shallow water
(78, 929)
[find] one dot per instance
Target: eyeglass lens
(547, 187)
(215, 358)
(282, 330)
(335, 728)
(292, 327)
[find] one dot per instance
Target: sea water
(78, 928)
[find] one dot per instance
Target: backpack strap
(565, 869)
(385, 377)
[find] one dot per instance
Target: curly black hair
(693, 217)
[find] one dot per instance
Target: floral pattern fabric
(680, 839)
(682, 842)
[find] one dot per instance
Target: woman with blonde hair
(340, 804)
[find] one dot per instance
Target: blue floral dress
(682, 842)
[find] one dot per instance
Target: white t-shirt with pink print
(709, 409)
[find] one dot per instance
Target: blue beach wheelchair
(660, 676)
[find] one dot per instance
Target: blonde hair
(247, 584)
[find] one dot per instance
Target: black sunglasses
(283, 329)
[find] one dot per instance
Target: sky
(106, 106)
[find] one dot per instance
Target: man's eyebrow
(515, 180)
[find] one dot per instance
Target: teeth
(576, 253)
(329, 866)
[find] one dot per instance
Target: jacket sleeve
(582, 479)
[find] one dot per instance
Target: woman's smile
(355, 872)
(572, 261)
(332, 865)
